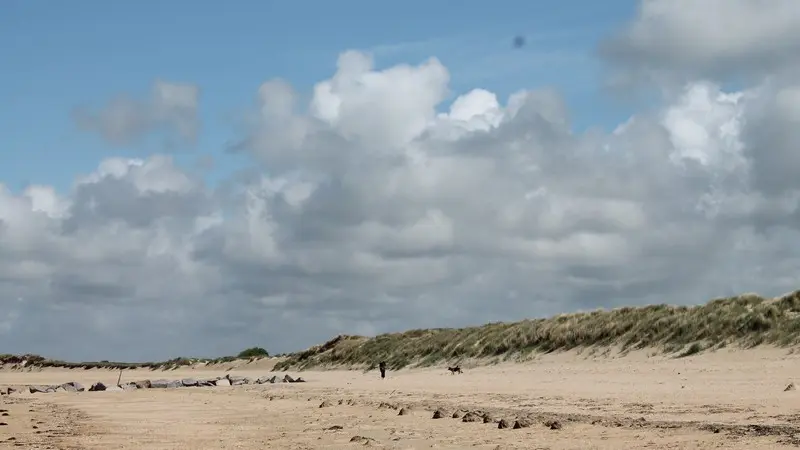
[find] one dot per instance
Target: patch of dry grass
(746, 320)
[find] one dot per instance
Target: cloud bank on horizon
(369, 211)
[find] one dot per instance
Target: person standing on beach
(382, 368)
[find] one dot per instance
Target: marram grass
(746, 321)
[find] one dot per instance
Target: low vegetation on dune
(745, 321)
(28, 360)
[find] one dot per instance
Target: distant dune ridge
(746, 320)
(29, 361)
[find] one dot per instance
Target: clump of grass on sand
(746, 321)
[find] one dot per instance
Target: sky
(181, 179)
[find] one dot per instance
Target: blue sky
(61, 55)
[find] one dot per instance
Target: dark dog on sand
(454, 370)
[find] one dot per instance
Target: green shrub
(253, 352)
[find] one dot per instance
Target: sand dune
(727, 400)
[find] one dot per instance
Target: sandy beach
(727, 400)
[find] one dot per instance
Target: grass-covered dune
(29, 361)
(745, 321)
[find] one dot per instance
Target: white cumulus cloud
(170, 107)
(709, 38)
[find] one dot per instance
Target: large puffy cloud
(110, 260)
(713, 38)
(371, 210)
(171, 108)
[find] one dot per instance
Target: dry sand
(724, 400)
